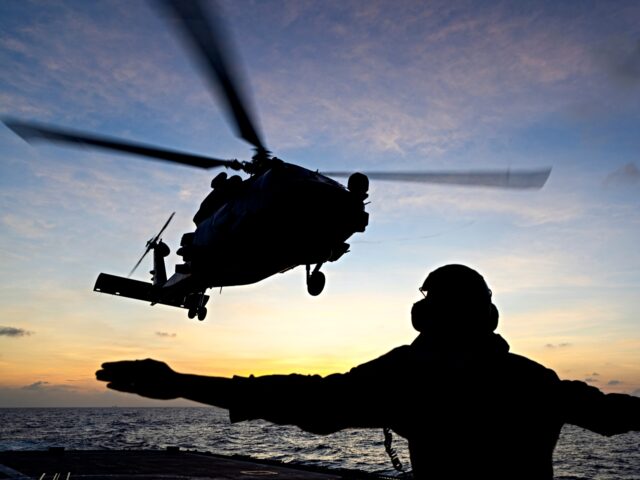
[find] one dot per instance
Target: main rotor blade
(520, 179)
(204, 34)
(151, 244)
(31, 132)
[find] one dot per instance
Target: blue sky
(336, 85)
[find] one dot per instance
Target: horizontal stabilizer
(127, 287)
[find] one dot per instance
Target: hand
(148, 378)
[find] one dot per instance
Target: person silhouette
(467, 406)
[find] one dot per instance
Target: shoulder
(525, 366)
(575, 390)
(390, 361)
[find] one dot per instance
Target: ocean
(580, 454)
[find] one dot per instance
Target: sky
(336, 85)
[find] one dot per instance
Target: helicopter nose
(359, 185)
(336, 209)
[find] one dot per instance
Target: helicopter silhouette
(300, 216)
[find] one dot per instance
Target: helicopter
(280, 216)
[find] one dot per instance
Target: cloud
(559, 345)
(42, 385)
(166, 334)
(450, 74)
(523, 208)
(14, 45)
(14, 332)
(614, 382)
(636, 392)
(621, 60)
(591, 380)
(39, 385)
(27, 227)
(626, 176)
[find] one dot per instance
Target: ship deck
(171, 464)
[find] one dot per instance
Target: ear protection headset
(455, 292)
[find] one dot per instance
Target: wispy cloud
(39, 385)
(27, 227)
(626, 176)
(166, 334)
(621, 59)
(42, 385)
(14, 332)
(435, 87)
(529, 208)
(14, 45)
(438, 85)
(102, 76)
(559, 345)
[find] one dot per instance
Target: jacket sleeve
(607, 414)
(320, 404)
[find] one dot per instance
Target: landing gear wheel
(202, 313)
(315, 283)
(192, 313)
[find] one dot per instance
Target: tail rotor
(153, 244)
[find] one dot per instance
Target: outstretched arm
(317, 404)
(314, 403)
(607, 414)
(153, 379)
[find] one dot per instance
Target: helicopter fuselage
(272, 222)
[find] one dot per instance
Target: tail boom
(147, 292)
